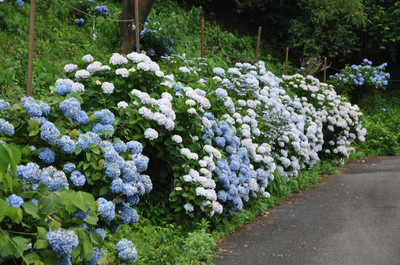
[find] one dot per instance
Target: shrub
(357, 80)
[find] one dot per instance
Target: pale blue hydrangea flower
(4, 105)
(47, 155)
(126, 252)
(69, 167)
(101, 232)
(66, 144)
(96, 255)
(106, 209)
(77, 178)
(105, 116)
(86, 139)
(141, 162)
(134, 147)
(49, 132)
(128, 215)
(14, 201)
(80, 214)
(62, 242)
(6, 127)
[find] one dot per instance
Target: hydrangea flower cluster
(126, 252)
(264, 128)
(154, 42)
(62, 242)
(103, 10)
(350, 78)
(14, 201)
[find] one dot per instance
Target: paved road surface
(351, 218)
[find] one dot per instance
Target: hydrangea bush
(208, 138)
(354, 80)
(64, 180)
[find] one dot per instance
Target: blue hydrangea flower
(220, 141)
(40, 120)
(62, 242)
(6, 127)
(33, 108)
(71, 107)
(96, 255)
(80, 214)
(65, 88)
(126, 252)
(133, 200)
(81, 118)
(105, 116)
(20, 3)
(101, 232)
(128, 215)
(102, 9)
(14, 201)
(112, 170)
(54, 178)
(129, 171)
(106, 209)
(141, 162)
(49, 132)
(66, 144)
(47, 155)
(86, 139)
(146, 181)
(129, 190)
(45, 108)
(4, 105)
(77, 178)
(134, 147)
(117, 185)
(120, 146)
(69, 167)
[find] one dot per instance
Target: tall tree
(128, 12)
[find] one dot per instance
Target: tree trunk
(128, 12)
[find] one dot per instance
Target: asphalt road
(351, 218)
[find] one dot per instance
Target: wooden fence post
(202, 38)
(137, 25)
(258, 42)
(325, 71)
(30, 54)
(286, 61)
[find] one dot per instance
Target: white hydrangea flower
(118, 59)
(122, 104)
(94, 67)
(191, 111)
(105, 68)
(151, 134)
(122, 72)
(146, 113)
(82, 74)
(177, 138)
(87, 58)
(107, 87)
(159, 73)
(69, 68)
(143, 66)
(77, 87)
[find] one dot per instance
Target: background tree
(128, 12)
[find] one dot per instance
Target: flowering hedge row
(78, 160)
